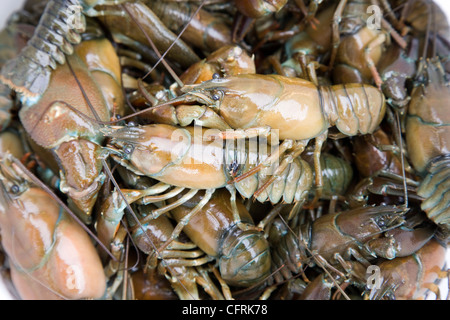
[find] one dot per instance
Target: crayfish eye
(128, 149)
(233, 168)
(216, 75)
(131, 124)
(15, 189)
(381, 223)
(217, 95)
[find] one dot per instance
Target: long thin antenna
(83, 92)
(402, 158)
(155, 49)
(161, 58)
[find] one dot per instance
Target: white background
(8, 6)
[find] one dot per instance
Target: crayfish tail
(25, 76)
(435, 191)
(6, 104)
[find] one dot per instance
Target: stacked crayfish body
(30, 71)
(296, 107)
(411, 277)
(89, 83)
(222, 128)
(12, 40)
(428, 138)
(259, 8)
(358, 47)
(243, 255)
(364, 233)
(205, 31)
(179, 156)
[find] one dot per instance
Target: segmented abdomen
(58, 29)
(353, 108)
(292, 185)
(435, 189)
(245, 257)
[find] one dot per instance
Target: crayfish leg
(281, 149)
(297, 149)
(204, 280)
(373, 44)
(319, 141)
(179, 227)
(335, 30)
(244, 24)
(236, 215)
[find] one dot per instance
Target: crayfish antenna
(155, 49)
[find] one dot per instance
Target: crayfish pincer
(413, 276)
(50, 254)
(89, 83)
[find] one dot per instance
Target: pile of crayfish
(213, 149)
